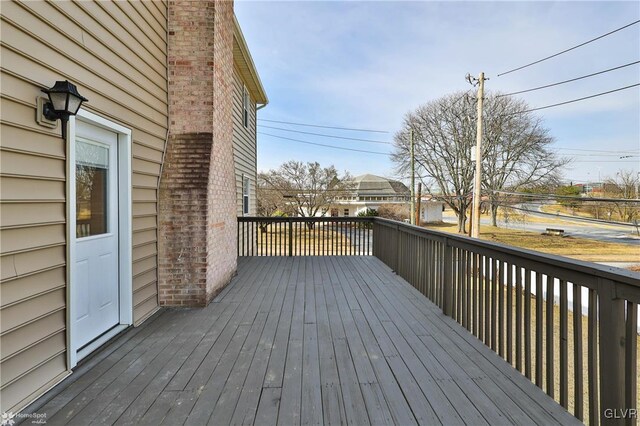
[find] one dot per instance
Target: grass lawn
(560, 209)
(577, 248)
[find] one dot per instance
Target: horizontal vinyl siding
(244, 146)
(115, 52)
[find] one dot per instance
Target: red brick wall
(197, 220)
(222, 222)
(183, 220)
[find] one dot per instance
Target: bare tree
(625, 186)
(271, 201)
(443, 132)
(307, 188)
(399, 212)
(515, 149)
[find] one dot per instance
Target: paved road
(574, 228)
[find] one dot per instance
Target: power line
(597, 150)
(605, 161)
(573, 100)
(324, 136)
(447, 109)
(563, 216)
(323, 127)
(570, 49)
(323, 145)
(568, 81)
(569, 197)
(602, 204)
(600, 154)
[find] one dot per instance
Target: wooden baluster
(564, 349)
(578, 387)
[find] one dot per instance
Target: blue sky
(365, 64)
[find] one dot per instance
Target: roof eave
(244, 58)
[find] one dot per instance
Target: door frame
(124, 231)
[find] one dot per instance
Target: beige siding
(244, 146)
(115, 52)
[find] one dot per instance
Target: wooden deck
(301, 340)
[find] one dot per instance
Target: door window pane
(92, 171)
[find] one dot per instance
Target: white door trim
(124, 228)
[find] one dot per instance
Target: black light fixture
(64, 101)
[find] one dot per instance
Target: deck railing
(305, 236)
(571, 327)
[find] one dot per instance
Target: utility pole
(413, 180)
(418, 201)
(475, 215)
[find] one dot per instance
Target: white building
(372, 191)
(430, 209)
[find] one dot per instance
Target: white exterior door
(95, 292)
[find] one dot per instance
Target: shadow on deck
(302, 340)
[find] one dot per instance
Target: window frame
(246, 100)
(246, 199)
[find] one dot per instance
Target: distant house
(370, 192)
(589, 188)
(135, 206)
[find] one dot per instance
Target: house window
(245, 195)
(245, 106)
(334, 212)
(346, 212)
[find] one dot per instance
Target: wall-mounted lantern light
(64, 101)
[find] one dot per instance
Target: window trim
(246, 199)
(245, 106)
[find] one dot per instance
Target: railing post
(290, 222)
(397, 234)
(372, 221)
(447, 285)
(612, 354)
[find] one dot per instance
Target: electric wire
(599, 154)
(570, 49)
(324, 135)
(597, 150)
(323, 127)
(324, 145)
(447, 109)
(563, 216)
(568, 81)
(605, 161)
(572, 101)
(567, 197)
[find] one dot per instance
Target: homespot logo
(620, 413)
(9, 418)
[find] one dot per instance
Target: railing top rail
(608, 272)
(305, 219)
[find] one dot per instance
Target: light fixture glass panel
(74, 104)
(59, 100)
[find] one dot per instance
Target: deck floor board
(302, 340)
